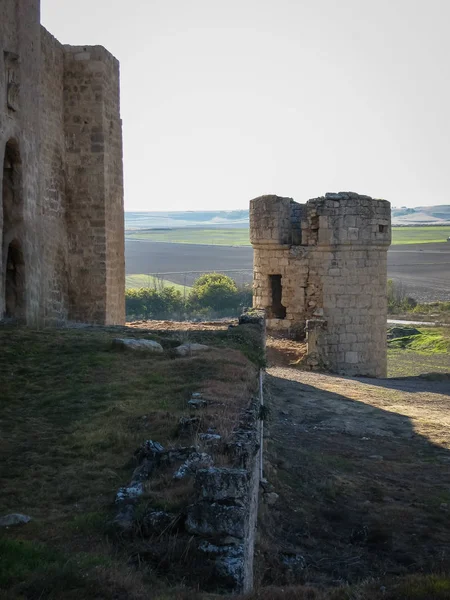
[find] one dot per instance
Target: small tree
(214, 291)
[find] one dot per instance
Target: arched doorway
(14, 282)
(13, 265)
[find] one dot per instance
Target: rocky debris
(156, 522)
(188, 349)
(188, 425)
(399, 332)
(244, 447)
(124, 520)
(216, 520)
(137, 345)
(228, 562)
(346, 196)
(149, 449)
(252, 316)
(270, 498)
(196, 461)
(14, 519)
(197, 401)
(131, 492)
(266, 486)
(293, 561)
(210, 438)
(222, 483)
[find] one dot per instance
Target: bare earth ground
(362, 467)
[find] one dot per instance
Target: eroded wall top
(343, 218)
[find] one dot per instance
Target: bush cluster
(213, 295)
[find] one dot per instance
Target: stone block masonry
(321, 268)
(61, 219)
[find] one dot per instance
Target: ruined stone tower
(321, 267)
(61, 217)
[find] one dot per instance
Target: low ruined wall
(217, 526)
(225, 512)
(226, 509)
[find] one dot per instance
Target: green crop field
(420, 235)
(149, 281)
(240, 237)
(190, 235)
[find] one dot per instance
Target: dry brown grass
(73, 412)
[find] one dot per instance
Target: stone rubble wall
(334, 270)
(225, 512)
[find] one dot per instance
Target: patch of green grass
(420, 234)
(22, 558)
(424, 587)
(141, 280)
(191, 235)
(429, 341)
(415, 355)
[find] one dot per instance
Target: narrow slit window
(277, 310)
(382, 228)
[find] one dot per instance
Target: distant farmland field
(420, 235)
(149, 281)
(194, 235)
(240, 236)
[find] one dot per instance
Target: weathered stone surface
(131, 492)
(270, 498)
(124, 520)
(196, 461)
(216, 520)
(188, 349)
(14, 519)
(328, 259)
(197, 403)
(210, 438)
(138, 345)
(61, 177)
(222, 483)
(158, 521)
(189, 425)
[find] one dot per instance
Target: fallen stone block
(187, 349)
(138, 345)
(198, 460)
(14, 519)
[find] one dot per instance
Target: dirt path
(363, 472)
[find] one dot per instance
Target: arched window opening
(14, 282)
(13, 267)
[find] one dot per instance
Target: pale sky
(225, 100)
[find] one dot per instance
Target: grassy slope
(73, 411)
(418, 355)
(240, 237)
(149, 281)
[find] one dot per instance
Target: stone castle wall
(327, 260)
(60, 117)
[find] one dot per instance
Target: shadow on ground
(362, 469)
